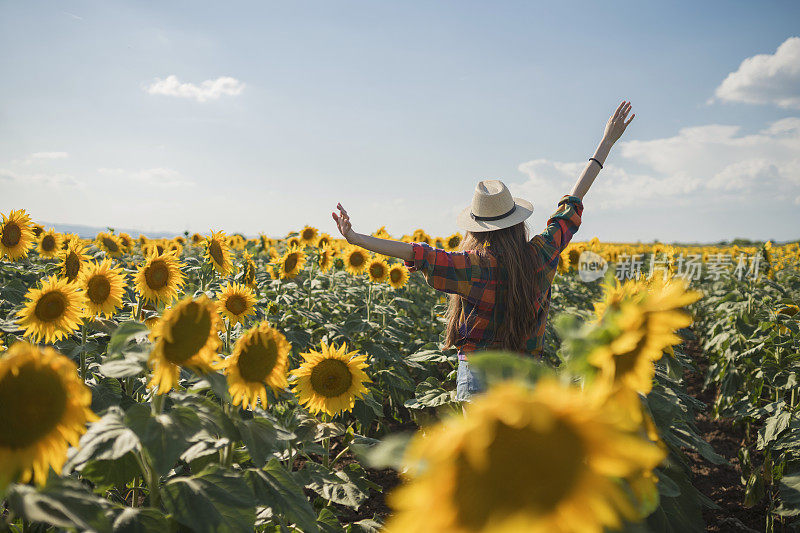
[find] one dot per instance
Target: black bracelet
(598, 162)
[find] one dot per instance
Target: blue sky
(397, 110)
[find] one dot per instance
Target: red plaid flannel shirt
(481, 283)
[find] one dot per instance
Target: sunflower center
(396, 275)
(236, 304)
(323, 241)
(48, 243)
(51, 306)
(331, 377)
(157, 274)
(453, 242)
(190, 333)
(12, 234)
(357, 259)
(34, 400)
(215, 251)
(308, 234)
(98, 289)
(72, 266)
(376, 270)
(550, 462)
(257, 360)
(111, 244)
(291, 262)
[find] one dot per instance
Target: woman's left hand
(343, 223)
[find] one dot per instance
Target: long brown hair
(521, 270)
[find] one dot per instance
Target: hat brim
(523, 210)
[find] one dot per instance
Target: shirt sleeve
(451, 272)
(561, 226)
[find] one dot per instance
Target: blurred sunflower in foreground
(330, 380)
(45, 408)
(259, 358)
(186, 336)
(550, 460)
(53, 311)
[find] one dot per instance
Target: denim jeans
(467, 382)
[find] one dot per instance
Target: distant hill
(90, 232)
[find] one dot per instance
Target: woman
(500, 281)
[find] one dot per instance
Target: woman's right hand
(616, 125)
(343, 223)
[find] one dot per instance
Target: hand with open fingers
(343, 222)
(616, 125)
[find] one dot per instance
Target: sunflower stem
(83, 351)
(369, 299)
(228, 337)
(139, 306)
(157, 404)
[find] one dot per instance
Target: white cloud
(57, 181)
(49, 155)
(154, 177)
(766, 78)
(207, 90)
(699, 164)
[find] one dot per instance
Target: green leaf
(107, 473)
(327, 521)
(789, 488)
(386, 453)
(275, 487)
(754, 490)
(260, 437)
(165, 436)
(126, 332)
(145, 520)
(64, 503)
(126, 367)
(216, 500)
(430, 394)
(773, 427)
(331, 485)
(107, 439)
(495, 366)
(106, 393)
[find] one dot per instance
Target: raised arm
(615, 127)
(402, 250)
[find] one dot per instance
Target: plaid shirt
(481, 282)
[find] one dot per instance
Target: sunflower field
(217, 383)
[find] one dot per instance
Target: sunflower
(249, 274)
(109, 243)
(185, 337)
(259, 357)
(309, 235)
(127, 242)
(324, 240)
(52, 312)
(466, 473)
(292, 262)
(265, 242)
(453, 241)
(197, 239)
(45, 409)
(355, 259)
(325, 257)
(159, 278)
(174, 246)
(73, 260)
(294, 241)
(643, 319)
(16, 235)
(377, 270)
(398, 276)
(37, 229)
(236, 302)
(788, 310)
(218, 253)
(49, 243)
(331, 380)
(103, 287)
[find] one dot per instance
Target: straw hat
(493, 208)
